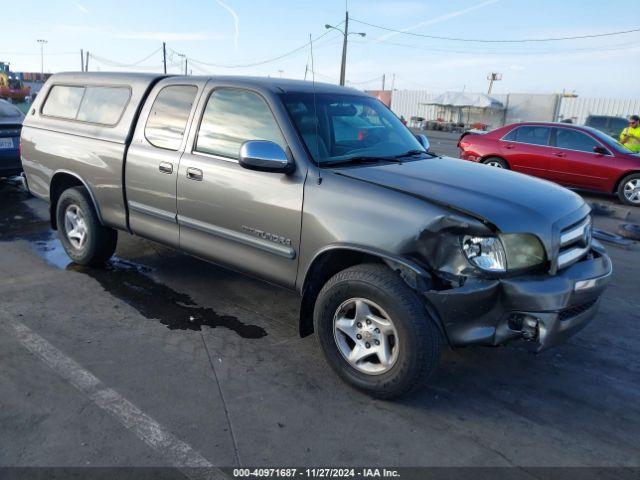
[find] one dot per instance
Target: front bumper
(545, 309)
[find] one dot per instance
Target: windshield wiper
(412, 153)
(360, 160)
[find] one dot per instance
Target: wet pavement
(215, 358)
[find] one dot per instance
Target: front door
(575, 163)
(152, 162)
(244, 219)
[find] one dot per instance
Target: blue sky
(231, 32)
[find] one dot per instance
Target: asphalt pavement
(160, 358)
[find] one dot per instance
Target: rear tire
(401, 354)
(496, 162)
(629, 190)
(84, 238)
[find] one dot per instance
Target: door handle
(509, 147)
(560, 154)
(194, 174)
(166, 167)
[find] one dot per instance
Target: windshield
(348, 127)
(9, 111)
(609, 141)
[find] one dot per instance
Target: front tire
(375, 332)
(84, 238)
(629, 190)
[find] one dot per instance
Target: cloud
(81, 7)
(106, 31)
(236, 21)
(396, 8)
(441, 18)
(168, 36)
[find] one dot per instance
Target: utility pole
(186, 62)
(86, 62)
(345, 33)
(493, 77)
(384, 79)
(81, 60)
(42, 42)
(164, 56)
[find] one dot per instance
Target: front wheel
(375, 332)
(629, 190)
(84, 238)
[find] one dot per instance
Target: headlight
(505, 252)
(486, 253)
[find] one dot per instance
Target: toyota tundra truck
(395, 252)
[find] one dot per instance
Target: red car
(574, 156)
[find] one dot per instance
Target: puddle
(125, 280)
(132, 284)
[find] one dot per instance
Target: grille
(575, 242)
(569, 313)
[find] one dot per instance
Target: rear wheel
(375, 332)
(629, 190)
(496, 162)
(84, 238)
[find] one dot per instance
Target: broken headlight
(504, 252)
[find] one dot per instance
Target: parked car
(612, 126)
(571, 155)
(394, 251)
(10, 125)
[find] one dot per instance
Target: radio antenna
(315, 111)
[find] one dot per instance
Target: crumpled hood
(513, 202)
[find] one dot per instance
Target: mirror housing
(264, 156)
(424, 141)
(600, 150)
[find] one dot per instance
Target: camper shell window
(88, 104)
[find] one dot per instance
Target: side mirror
(264, 156)
(600, 150)
(424, 141)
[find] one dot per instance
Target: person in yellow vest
(630, 136)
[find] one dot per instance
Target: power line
(482, 40)
(261, 62)
(604, 48)
(114, 63)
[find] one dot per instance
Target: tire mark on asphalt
(236, 452)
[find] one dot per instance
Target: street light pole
(42, 42)
(345, 33)
(343, 65)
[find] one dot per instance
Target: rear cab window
(102, 105)
(233, 116)
(529, 134)
(169, 115)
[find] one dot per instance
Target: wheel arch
(622, 177)
(335, 258)
(61, 181)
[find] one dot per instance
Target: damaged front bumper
(545, 309)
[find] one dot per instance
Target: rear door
(153, 159)
(526, 148)
(244, 219)
(574, 162)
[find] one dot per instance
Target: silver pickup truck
(321, 189)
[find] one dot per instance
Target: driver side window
(232, 117)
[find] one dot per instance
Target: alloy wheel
(632, 190)
(366, 336)
(75, 227)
